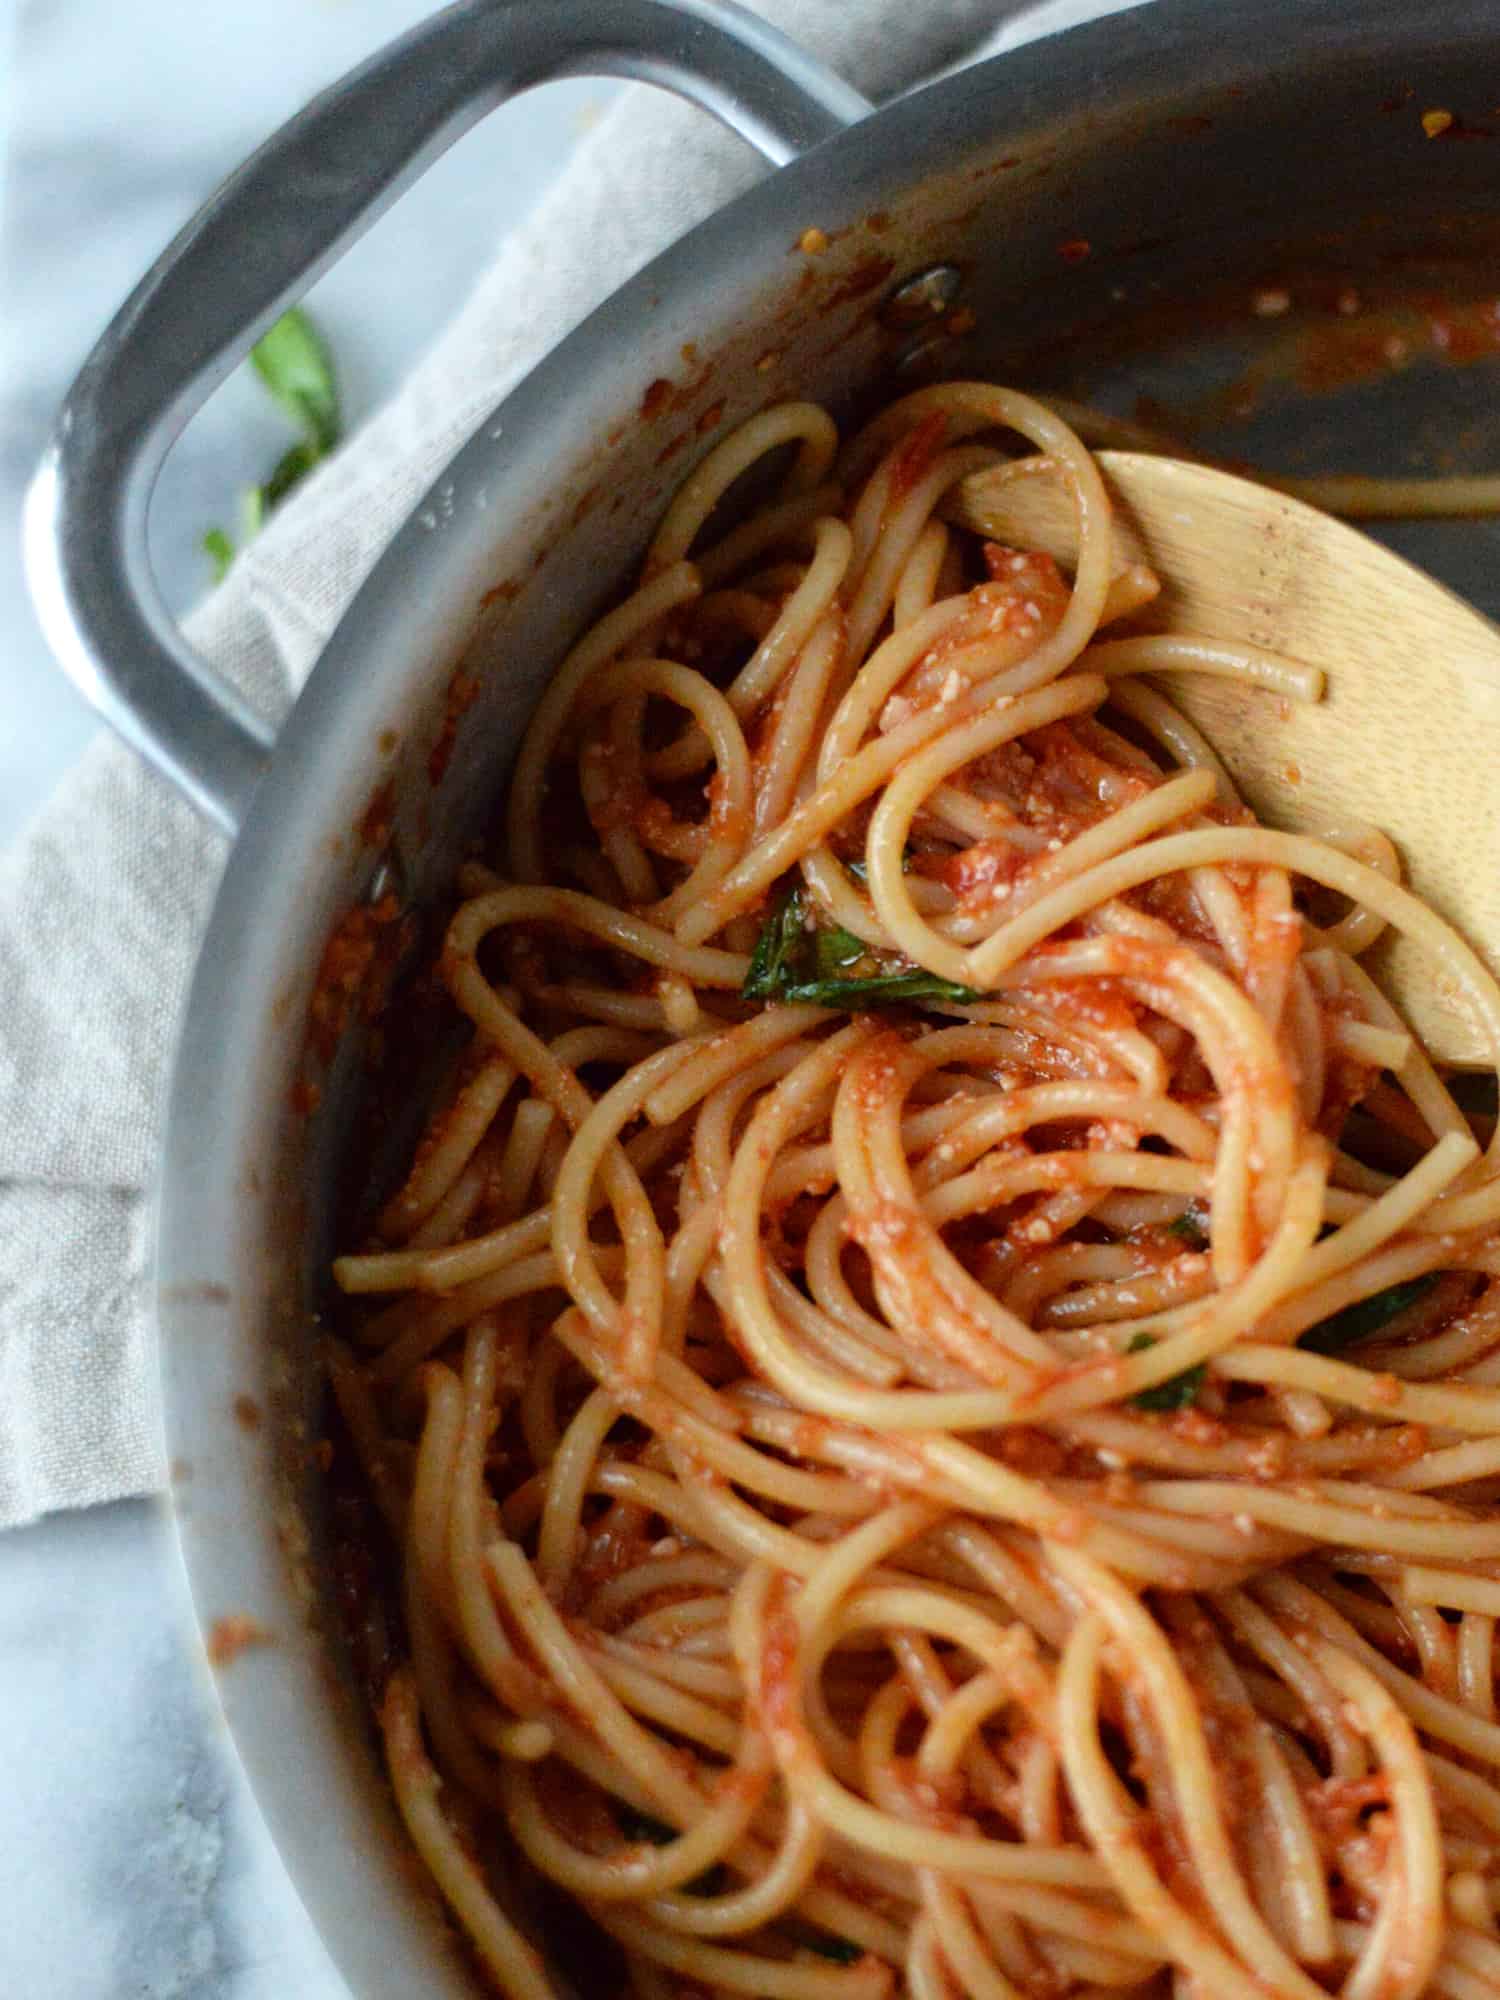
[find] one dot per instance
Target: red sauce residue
(936, 1799)
(778, 1672)
(1337, 1804)
(463, 692)
(1346, 349)
(915, 457)
(1034, 1452)
(506, 593)
(879, 222)
(979, 869)
(1466, 333)
(1438, 124)
(230, 1636)
(376, 820)
(1075, 250)
(305, 1096)
(1196, 1427)
(1099, 1003)
(247, 1413)
(1019, 578)
(586, 502)
(655, 400)
(862, 279)
(357, 1584)
(711, 418)
(694, 387)
(672, 447)
(206, 1294)
(1338, 357)
(357, 959)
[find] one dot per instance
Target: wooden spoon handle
(1407, 737)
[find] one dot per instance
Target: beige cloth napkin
(103, 900)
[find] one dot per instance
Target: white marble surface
(123, 116)
(133, 1865)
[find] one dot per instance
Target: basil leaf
(293, 361)
(291, 469)
(259, 502)
(827, 1944)
(840, 1950)
(836, 950)
(890, 989)
(782, 934)
(860, 870)
(252, 511)
(1365, 1317)
(646, 1831)
(220, 552)
(759, 980)
(791, 962)
(1178, 1392)
(1189, 1227)
(642, 1828)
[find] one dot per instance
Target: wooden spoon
(1407, 734)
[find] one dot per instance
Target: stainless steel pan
(1098, 210)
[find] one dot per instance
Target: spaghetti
(935, 1376)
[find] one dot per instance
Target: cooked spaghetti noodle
(935, 1377)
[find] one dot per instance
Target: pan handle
(273, 228)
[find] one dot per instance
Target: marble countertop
(133, 1864)
(122, 119)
